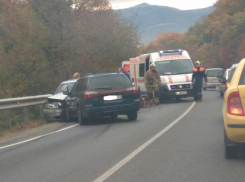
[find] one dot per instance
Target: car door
(77, 96)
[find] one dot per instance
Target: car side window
(80, 87)
(242, 78)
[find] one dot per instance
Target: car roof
(234, 65)
(69, 81)
(101, 75)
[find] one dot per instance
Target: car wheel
(204, 88)
(66, 116)
(132, 116)
(221, 94)
(114, 116)
(231, 152)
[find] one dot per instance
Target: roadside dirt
(30, 130)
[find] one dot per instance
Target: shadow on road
(106, 121)
(174, 101)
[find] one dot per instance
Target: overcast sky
(179, 4)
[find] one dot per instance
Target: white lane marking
(25, 141)
(120, 164)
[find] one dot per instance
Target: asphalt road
(175, 141)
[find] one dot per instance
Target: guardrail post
(26, 115)
(41, 111)
(7, 119)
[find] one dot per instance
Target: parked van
(175, 68)
(213, 75)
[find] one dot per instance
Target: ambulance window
(147, 62)
(142, 70)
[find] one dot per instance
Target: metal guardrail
(22, 102)
(13, 103)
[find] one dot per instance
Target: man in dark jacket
(197, 79)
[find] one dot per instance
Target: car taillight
(91, 94)
(234, 105)
(131, 90)
(227, 85)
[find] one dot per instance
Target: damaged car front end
(56, 108)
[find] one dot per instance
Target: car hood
(59, 96)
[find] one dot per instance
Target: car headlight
(54, 105)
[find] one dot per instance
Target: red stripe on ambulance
(170, 79)
(187, 78)
(135, 80)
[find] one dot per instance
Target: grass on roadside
(21, 127)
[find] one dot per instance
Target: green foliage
(218, 41)
(44, 42)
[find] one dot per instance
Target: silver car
(225, 81)
(213, 75)
(56, 108)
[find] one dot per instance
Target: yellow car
(233, 112)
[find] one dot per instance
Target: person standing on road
(197, 79)
(152, 81)
(76, 75)
(121, 70)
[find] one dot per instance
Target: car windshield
(64, 86)
(178, 66)
(114, 82)
(215, 73)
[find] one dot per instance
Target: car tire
(204, 88)
(80, 118)
(231, 149)
(132, 115)
(221, 94)
(114, 116)
(231, 152)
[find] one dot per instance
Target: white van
(175, 68)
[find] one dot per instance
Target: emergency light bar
(170, 51)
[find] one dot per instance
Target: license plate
(181, 93)
(113, 97)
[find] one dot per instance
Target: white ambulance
(175, 68)
(126, 66)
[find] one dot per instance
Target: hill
(152, 19)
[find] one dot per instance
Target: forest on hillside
(43, 42)
(217, 41)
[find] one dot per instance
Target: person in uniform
(152, 81)
(197, 79)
